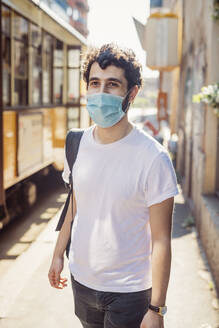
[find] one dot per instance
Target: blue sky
(111, 20)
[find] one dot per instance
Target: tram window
(6, 18)
(20, 70)
(74, 58)
(6, 55)
(58, 54)
(58, 85)
(73, 117)
(6, 70)
(73, 75)
(73, 85)
(47, 68)
(36, 77)
(20, 28)
(58, 72)
(35, 36)
(36, 41)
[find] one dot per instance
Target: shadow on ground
(181, 213)
(21, 232)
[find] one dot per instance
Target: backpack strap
(71, 149)
(72, 145)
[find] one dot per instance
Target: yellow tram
(42, 95)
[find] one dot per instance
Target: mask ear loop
(126, 103)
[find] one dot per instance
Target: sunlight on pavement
(52, 210)
(62, 198)
(17, 249)
(32, 232)
(46, 215)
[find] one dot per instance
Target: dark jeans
(98, 309)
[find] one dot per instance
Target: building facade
(74, 12)
(78, 19)
(196, 125)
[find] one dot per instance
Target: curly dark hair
(112, 54)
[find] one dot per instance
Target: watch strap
(161, 310)
(154, 308)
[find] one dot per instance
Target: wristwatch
(161, 310)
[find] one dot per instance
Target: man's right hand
(55, 270)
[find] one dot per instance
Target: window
(20, 29)
(75, 14)
(73, 117)
(36, 41)
(74, 75)
(6, 55)
(58, 72)
(47, 68)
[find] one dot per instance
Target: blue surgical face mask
(105, 109)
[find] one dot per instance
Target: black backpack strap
(72, 145)
(71, 149)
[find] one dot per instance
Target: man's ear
(133, 93)
(129, 98)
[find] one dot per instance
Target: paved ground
(17, 237)
(27, 300)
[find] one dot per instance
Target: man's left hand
(152, 320)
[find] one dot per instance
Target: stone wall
(197, 125)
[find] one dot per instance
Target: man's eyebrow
(109, 79)
(93, 78)
(114, 79)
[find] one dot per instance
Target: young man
(124, 188)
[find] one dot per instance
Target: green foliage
(210, 96)
(215, 14)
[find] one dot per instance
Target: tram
(42, 95)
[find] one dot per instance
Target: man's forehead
(110, 71)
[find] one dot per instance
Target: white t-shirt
(114, 185)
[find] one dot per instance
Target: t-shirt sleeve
(66, 171)
(161, 180)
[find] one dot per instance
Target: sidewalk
(27, 300)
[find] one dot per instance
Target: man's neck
(114, 133)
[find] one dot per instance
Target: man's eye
(93, 83)
(113, 84)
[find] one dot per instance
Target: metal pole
(160, 90)
(160, 81)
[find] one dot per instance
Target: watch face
(163, 310)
